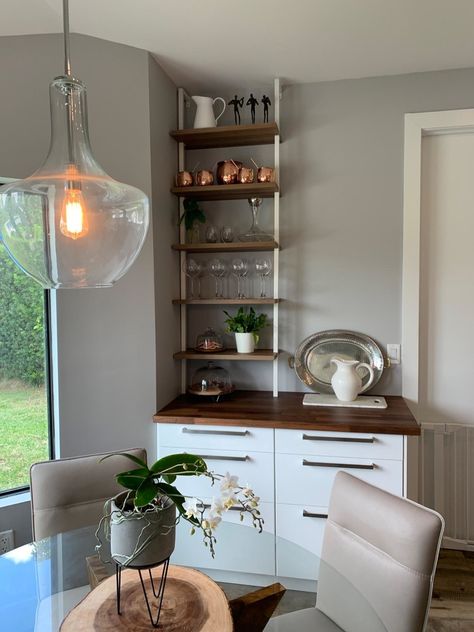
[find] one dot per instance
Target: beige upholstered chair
(70, 493)
(378, 562)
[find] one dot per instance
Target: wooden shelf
(227, 136)
(226, 301)
(265, 355)
(235, 246)
(228, 191)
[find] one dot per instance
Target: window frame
(48, 367)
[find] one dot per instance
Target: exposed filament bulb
(73, 222)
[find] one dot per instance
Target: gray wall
(107, 357)
(163, 118)
(341, 209)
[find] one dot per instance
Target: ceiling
(216, 43)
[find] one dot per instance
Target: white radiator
(447, 479)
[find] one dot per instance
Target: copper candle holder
(266, 174)
(184, 179)
(203, 178)
(246, 175)
(228, 171)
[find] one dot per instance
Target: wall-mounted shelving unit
(214, 138)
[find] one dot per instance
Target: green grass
(23, 432)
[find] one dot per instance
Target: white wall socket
(7, 541)
(393, 353)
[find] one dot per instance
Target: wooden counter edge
(407, 426)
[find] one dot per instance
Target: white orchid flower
(247, 491)
(191, 508)
(229, 483)
(230, 501)
(213, 520)
(217, 506)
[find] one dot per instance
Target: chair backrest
(387, 548)
(70, 493)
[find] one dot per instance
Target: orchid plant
(148, 485)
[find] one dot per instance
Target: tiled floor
(452, 608)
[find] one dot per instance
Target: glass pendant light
(70, 225)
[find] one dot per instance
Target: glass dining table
(42, 581)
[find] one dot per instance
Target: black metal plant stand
(158, 591)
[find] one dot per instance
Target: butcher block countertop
(260, 409)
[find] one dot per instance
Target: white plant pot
(245, 343)
(141, 540)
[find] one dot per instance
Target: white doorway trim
(417, 126)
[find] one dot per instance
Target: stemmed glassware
(218, 269)
(193, 269)
(240, 269)
(263, 268)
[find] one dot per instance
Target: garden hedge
(22, 336)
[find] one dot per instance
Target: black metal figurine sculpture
(266, 102)
(252, 102)
(237, 103)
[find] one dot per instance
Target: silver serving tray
(312, 361)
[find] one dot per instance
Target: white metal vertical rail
(182, 240)
(276, 230)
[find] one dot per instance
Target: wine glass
(212, 234)
(240, 269)
(263, 268)
(218, 269)
(227, 234)
(193, 269)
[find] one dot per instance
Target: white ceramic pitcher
(346, 382)
(205, 111)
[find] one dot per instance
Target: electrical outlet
(393, 353)
(7, 542)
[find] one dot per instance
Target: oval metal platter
(312, 360)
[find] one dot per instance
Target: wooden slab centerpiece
(192, 602)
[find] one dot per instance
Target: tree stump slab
(192, 602)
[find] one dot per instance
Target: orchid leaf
(179, 465)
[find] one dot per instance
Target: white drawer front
(239, 546)
(226, 437)
(254, 468)
(343, 444)
(300, 530)
(302, 479)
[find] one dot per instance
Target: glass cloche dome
(211, 381)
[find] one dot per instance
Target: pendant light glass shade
(70, 225)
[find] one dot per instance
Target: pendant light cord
(67, 59)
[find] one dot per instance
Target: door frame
(416, 127)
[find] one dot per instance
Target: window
(25, 435)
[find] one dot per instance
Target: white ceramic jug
(346, 382)
(205, 112)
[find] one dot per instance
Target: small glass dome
(211, 381)
(209, 342)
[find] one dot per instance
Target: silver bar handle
(353, 466)
(217, 457)
(311, 514)
(232, 433)
(344, 439)
(207, 506)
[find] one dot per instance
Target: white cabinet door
(300, 530)
(311, 478)
(254, 468)
(339, 444)
(188, 436)
(239, 548)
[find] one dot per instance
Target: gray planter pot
(140, 540)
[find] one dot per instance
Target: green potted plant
(193, 215)
(246, 326)
(141, 521)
